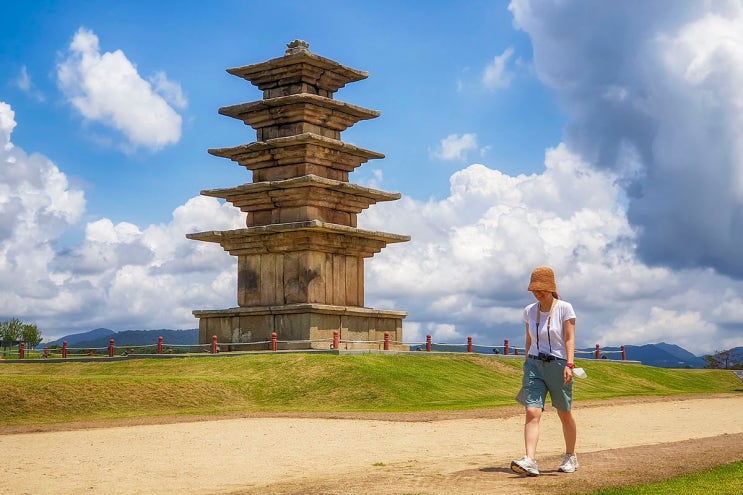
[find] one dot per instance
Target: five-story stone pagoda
(300, 261)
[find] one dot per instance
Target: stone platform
(302, 326)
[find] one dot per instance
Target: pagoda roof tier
(309, 190)
(297, 155)
(309, 111)
(299, 66)
(301, 148)
(312, 235)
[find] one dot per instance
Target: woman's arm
(568, 334)
(528, 342)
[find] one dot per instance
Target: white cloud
(25, 84)
(155, 277)
(465, 271)
(36, 207)
(7, 124)
(170, 91)
(120, 275)
(373, 178)
(652, 94)
(455, 147)
(106, 88)
(496, 75)
(663, 325)
(24, 81)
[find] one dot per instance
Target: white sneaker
(569, 463)
(526, 466)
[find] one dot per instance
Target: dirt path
(464, 453)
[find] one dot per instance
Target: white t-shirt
(551, 342)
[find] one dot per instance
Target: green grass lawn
(722, 480)
(58, 391)
(53, 392)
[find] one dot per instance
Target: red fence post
(64, 349)
(46, 351)
(624, 354)
(386, 341)
(515, 351)
(598, 351)
(111, 348)
(214, 344)
(336, 339)
(274, 342)
(22, 350)
(469, 344)
(428, 342)
(159, 345)
(505, 347)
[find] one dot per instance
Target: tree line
(14, 330)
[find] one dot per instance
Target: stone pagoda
(300, 259)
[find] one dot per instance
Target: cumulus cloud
(455, 147)
(170, 91)
(153, 277)
(7, 124)
(373, 178)
(119, 275)
(463, 274)
(24, 80)
(25, 84)
(36, 206)
(106, 88)
(652, 94)
(496, 75)
(465, 271)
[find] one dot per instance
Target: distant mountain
(677, 351)
(100, 337)
(661, 355)
(683, 355)
(74, 339)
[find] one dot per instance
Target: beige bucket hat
(543, 278)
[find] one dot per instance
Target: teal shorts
(541, 377)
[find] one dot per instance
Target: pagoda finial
(297, 46)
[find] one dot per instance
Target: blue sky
(598, 138)
(415, 56)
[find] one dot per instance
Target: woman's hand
(567, 375)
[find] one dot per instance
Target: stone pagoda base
(307, 326)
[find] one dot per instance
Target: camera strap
(549, 320)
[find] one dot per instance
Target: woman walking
(548, 367)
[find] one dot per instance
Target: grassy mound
(73, 391)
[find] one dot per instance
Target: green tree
(723, 360)
(11, 329)
(31, 335)
(14, 330)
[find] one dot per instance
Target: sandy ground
(628, 442)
